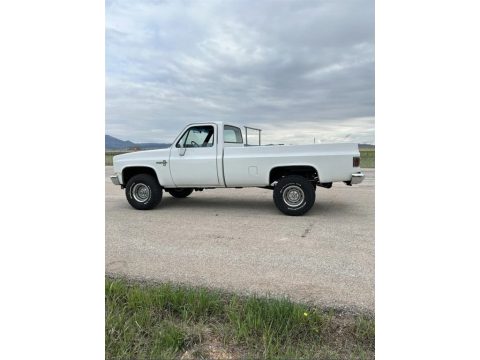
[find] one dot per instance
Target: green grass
(367, 158)
(164, 321)
(109, 156)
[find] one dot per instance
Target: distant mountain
(112, 143)
(366, 147)
(147, 146)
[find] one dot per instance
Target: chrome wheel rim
(293, 195)
(141, 192)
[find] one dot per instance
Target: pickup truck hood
(141, 155)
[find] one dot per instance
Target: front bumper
(115, 180)
(357, 178)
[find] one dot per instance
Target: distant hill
(366, 147)
(112, 143)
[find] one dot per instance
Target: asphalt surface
(236, 239)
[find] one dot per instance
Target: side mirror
(181, 151)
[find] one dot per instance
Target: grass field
(109, 157)
(164, 321)
(367, 158)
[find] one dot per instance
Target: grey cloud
(304, 66)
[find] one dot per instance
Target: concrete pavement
(236, 239)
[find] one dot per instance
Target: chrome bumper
(115, 180)
(357, 178)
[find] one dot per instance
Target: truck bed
(251, 165)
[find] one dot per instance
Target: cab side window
(197, 136)
(232, 135)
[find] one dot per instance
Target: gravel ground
(235, 239)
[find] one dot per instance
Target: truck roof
(219, 123)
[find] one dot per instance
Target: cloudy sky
(297, 69)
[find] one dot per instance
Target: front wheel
(180, 193)
(294, 195)
(143, 192)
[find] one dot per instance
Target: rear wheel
(180, 193)
(143, 192)
(294, 195)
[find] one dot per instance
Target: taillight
(356, 161)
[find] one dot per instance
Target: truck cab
(196, 154)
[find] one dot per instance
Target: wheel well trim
(122, 180)
(293, 166)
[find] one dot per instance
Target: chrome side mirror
(181, 151)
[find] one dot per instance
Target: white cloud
(294, 68)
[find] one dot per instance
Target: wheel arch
(310, 172)
(129, 171)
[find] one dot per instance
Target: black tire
(294, 195)
(180, 193)
(143, 192)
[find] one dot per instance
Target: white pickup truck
(215, 155)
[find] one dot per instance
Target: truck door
(193, 159)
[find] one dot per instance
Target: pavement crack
(307, 230)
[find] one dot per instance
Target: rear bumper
(357, 178)
(115, 180)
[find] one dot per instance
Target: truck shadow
(247, 206)
(223, 204)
